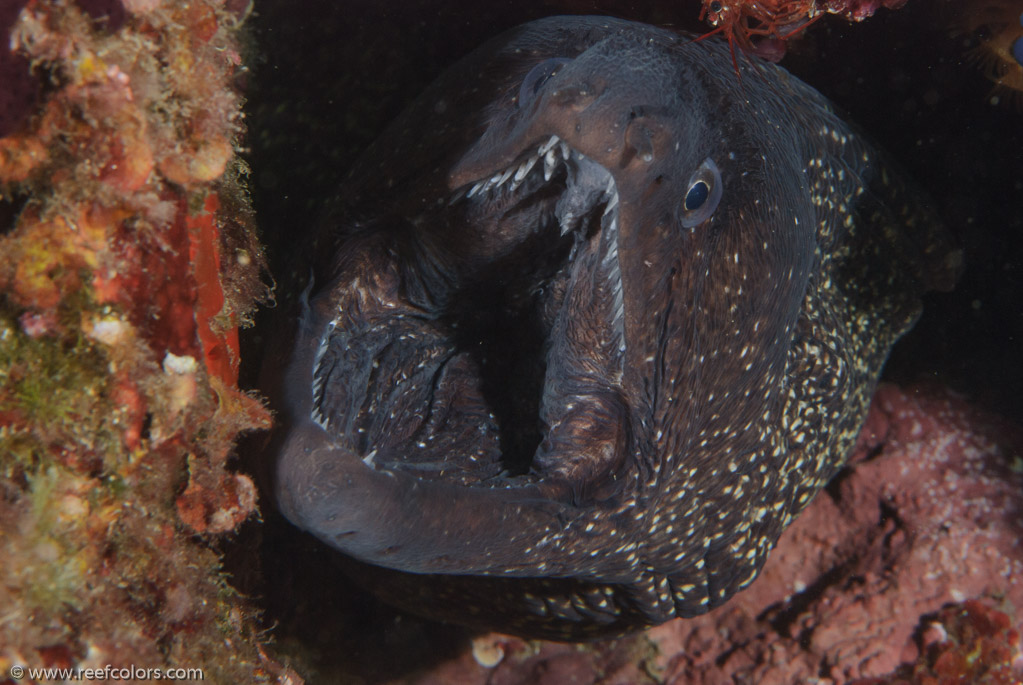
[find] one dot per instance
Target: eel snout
(595, 103)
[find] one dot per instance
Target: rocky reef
(128, 260)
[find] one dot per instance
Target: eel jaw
(412, 475)
(588, 186)
(572, 205)
(583, 411)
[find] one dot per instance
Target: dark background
(327, 76)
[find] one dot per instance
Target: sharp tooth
(612, 248)
(475, 189)
(565, 150)
(610, 256)
(524, 169)
(548, 145)
(459, 194)
(612, 203)
(616, 290)
(550, 160)
(566, 223)
(505, 176)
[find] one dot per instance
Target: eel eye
(703, 194)
(697, 195)
(538, 76)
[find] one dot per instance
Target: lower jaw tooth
(549, 162)
(566, 223)
(612, 203)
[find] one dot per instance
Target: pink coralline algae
(858, 10)
(908, 569)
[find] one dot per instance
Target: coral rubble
(128, 260)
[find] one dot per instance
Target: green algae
(55, 388)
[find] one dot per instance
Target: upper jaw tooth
(526, 166)
(505, 176)
(544, 147)
(551, 151)
(523, 169)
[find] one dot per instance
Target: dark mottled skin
(469, 405)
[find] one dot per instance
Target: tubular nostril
(639, 138)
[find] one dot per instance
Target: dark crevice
(10, 208)
(889, 513)
(834, 486)
(782, 617)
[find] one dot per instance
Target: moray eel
(591, 323)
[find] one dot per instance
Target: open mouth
(475, 385)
